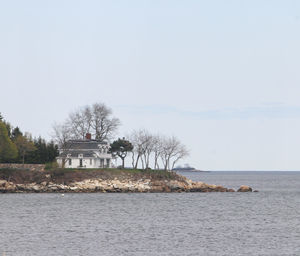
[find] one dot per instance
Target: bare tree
(137, 142)
(95, 119)
(80, 122)
(103, 125)
(164, 154)
(138, 139)
(180, 153)
(62, 135)
(157, 149)
(172, 151)
(148, 146)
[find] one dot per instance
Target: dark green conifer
(8, 149)
(120, 148)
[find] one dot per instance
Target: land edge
(142, 184)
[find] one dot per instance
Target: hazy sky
(222, 76)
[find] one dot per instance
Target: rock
(220, 189)
(20, 187)
(157, 189)
(131, 189)
(255, 191)
(3, 183)
(174, 185)
(52, 188)
(143, 185)
(10, 187)
(36, 188)
(244, 188)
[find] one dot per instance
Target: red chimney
(88, 136)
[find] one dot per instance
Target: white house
(86, 153)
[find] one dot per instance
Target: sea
(137, 224)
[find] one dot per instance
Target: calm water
(264, 223)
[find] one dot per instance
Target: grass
(65, 176)
(19, 175)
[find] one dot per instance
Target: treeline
(150, 150)
(19, 147)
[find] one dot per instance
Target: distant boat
(186, 169)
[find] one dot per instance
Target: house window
(70, 162)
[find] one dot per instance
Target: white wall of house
(73, 162)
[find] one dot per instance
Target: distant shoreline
(187, 170)
(251, 171)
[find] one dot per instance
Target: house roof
(75, 153)
(84, 144)
(87, 148)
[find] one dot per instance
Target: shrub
(51, 165)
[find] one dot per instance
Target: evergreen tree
(18, 148)
(120, 148)
(52, 151)
(8, 128)
(44, 153)
(7, 124)
(15, 133)
(24, 145)
(8, 149)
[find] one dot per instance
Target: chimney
(88, 136)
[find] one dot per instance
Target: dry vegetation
(66, 176)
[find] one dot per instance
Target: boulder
(220, 189)
(20, 187)
(3, 183)
(174, 185)
(36, 188)
(10, 187)
(44, 183)
(74, 188)
(230, 190)
(244, 188)
(52, 188)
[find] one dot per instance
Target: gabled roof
(84, 144)
(75, 153)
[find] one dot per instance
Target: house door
(80, 162)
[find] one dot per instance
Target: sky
(221, 76)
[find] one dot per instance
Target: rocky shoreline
(115, 186)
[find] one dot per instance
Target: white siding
(86, 162)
